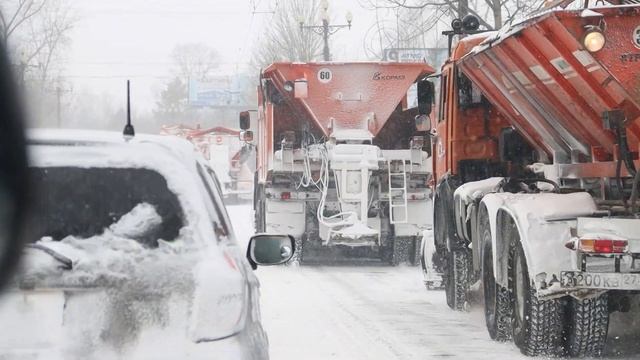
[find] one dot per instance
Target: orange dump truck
(535, 161)
(343, 160)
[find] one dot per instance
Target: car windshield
(429, 179)
(83, 202)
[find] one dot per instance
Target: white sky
(119, 39)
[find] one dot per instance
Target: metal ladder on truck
(398, 195)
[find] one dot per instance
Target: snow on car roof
(97, 138)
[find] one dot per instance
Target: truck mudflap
(577, 280)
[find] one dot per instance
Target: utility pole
(59, 91)
(326, 29)
(326, 53)
(463, 8)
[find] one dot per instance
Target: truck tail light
(285, 196)
(603, 246)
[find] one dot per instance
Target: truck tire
(456, 279)
(417, 250)
(587, 327)
(296, 259)
(440, 233)
(401, 250)
(537, 324)
(497, 298)
(258, 209)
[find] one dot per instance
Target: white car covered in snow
(133, 256)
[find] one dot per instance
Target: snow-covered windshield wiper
(67, 264)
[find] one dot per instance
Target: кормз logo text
(380, 76)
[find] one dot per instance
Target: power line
(116, 76)
(146, 63)
(165, 12)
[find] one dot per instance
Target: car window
(218, 198)
(215, 208)
(83, 202)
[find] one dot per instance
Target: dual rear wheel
(540, 327)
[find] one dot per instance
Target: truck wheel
(456, 279)
(417, 250)
(497, 299)
(258, 209)
(401, 251)
(588, 324)
(440, 234)
(297, 257)
(432, 279)
(537, 324)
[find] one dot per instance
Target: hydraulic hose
(620, 184)
(625, 153)
(634, 193)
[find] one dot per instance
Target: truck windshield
(83, 202)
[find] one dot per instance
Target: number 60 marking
(325, 75)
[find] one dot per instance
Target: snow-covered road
(352, 313)
(367, 313)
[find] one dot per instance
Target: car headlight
(594, 40)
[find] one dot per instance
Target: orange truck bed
(539, 75)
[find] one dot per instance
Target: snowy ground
(352, 313)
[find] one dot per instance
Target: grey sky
(119, 39)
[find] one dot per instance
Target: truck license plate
(576, 279)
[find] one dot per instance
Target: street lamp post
(326, 29)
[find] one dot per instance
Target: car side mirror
(426, 97)
(245, 120)
(269, 250)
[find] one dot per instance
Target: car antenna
(128, 132)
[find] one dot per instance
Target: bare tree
(493, 14)
(15, 13)
(397, 27)
(36, 32)
(283, 39)
(48, 35)
(195, 61)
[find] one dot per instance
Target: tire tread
(589, 323)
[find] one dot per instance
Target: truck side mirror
(423, 122)
(245, 120)
(246, 136)
(426, 97)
